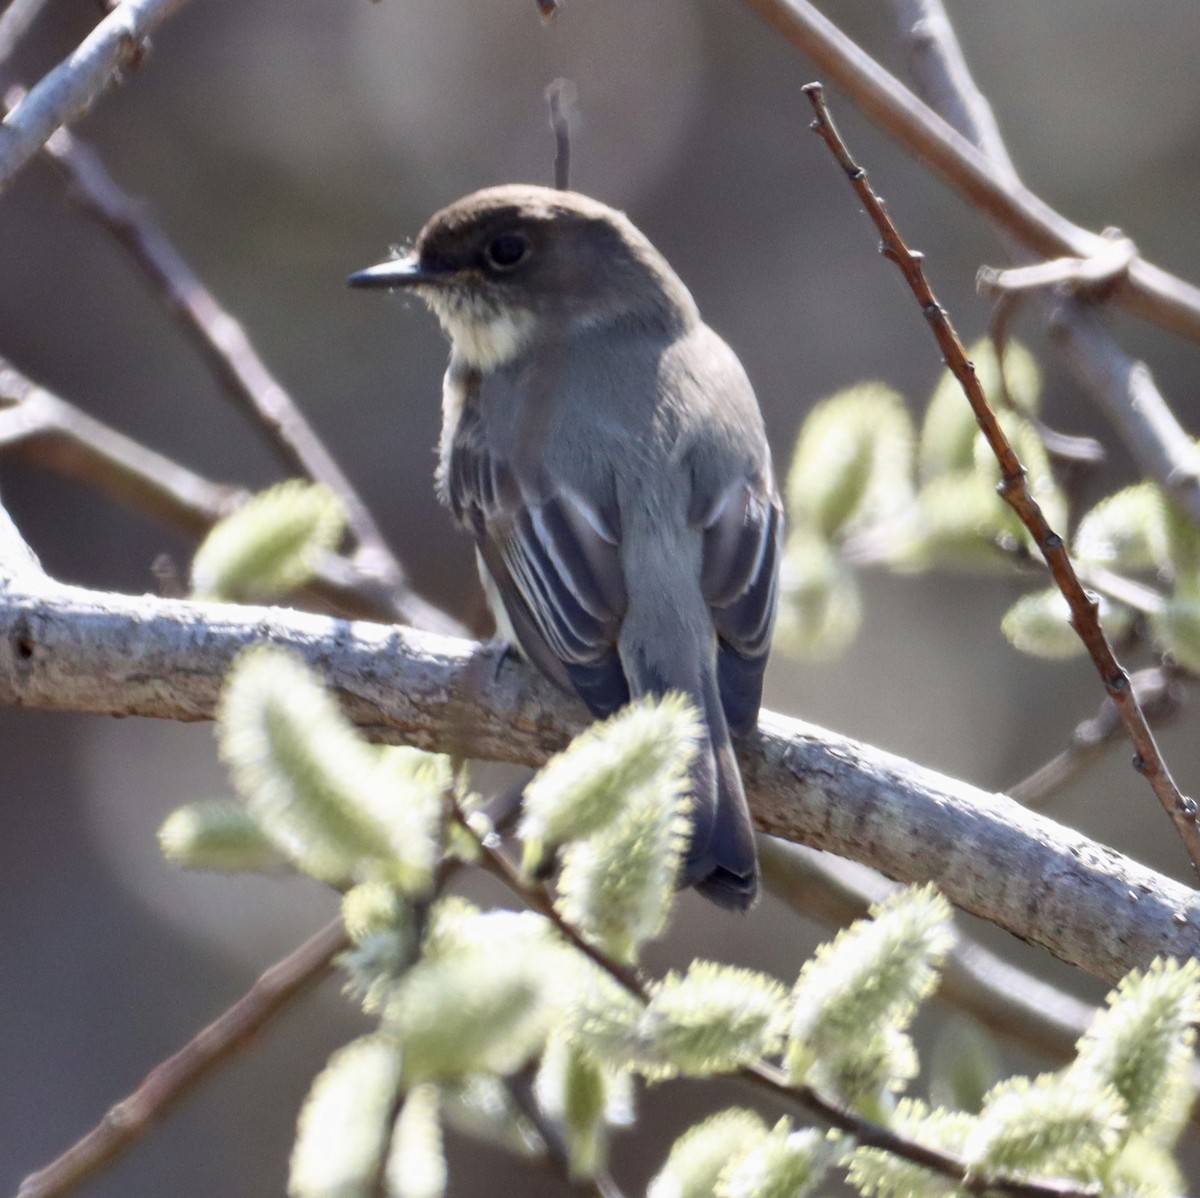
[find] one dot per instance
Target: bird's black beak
(399, 272)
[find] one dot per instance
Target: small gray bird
(604, 447)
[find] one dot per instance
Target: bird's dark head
(502, 267)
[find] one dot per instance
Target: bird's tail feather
(721, 862)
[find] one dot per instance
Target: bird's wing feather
(740, 580)
(556, 566)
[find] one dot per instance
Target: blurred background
(285, 143)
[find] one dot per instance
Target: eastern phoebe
(604, 447)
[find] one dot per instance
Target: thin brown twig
(177, 1076)
(767, 1078)
(221, 342)
(1015, 491)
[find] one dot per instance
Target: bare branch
(1123, 387)
(18, 563)
(78, 650)
(47, 430)
(1149, 291)
(1014, 489)
(72, 87)
(131, 1118)
(1159, 691)
(1126, 392)
(1090, 278)
(222, 344)
(14, 21)
(562, 101)
(42, 428)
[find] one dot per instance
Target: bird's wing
(740, 581)
(554, 559)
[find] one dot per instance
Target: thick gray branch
(72, 87)
(65, 648)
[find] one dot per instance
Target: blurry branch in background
(564, 112)
(71, 88)
(1087, 278)
(18, 563)
(227, 352)
(1014, 489)
(1123, 387)
(235, 1029)
(1160, 692)
(14, 21)
(69, 649)
(40, 427)
(47, 431)
(1149, 292)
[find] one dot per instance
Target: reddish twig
(177, 1076)
(1014, 490)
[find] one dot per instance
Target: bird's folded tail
(721, 861)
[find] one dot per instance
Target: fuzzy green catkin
(703, 1151)
(336, 806)
(820, 609)
(482, 998)
(1039, 624)
(416, 1166)
(783, 1164)
(853, 461)
(219, 835)
(345, 1123)
(269, 546)
(1126, 531)
(709, 1020)
(1141, 1045)
(650, 743)
(585, 1097)
(864, 986)
(1051, 1125)
(618, 886)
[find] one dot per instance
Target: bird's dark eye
(505, 251)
